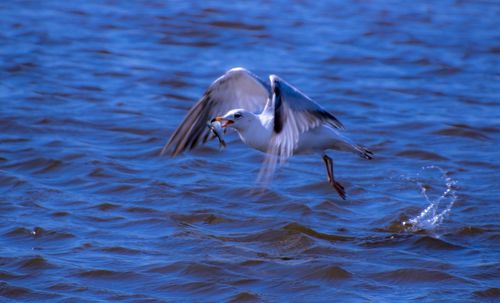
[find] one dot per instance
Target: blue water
(91, 90)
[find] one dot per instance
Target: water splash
(440, 202)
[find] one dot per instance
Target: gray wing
(237, 88)
(304, 113)
(294, 114)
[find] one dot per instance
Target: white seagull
(274, 118)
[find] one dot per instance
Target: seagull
(274, 118)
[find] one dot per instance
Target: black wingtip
(165, 150)
(332, 120)
(367, 154)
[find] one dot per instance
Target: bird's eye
(237, 115)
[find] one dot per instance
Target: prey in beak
(216, 128)
(224, 122)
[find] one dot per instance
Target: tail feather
(364, 153)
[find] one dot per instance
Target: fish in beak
(216, 128)
(224, 122)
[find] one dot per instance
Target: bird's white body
(321, 139)
(256, 131)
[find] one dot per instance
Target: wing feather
(237, 88)
(294, 114)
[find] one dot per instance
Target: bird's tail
(344, 143)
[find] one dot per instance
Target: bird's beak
(224, 122)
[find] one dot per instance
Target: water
(91, 90)
(432, 216)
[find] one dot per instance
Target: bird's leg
(329, 167)
(331, 179)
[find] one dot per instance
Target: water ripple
(90, 212)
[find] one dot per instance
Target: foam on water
(439, 202)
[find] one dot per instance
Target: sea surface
(90, 212)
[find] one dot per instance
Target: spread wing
(294, 114)
(237, 88)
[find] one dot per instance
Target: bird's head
(236, 118)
